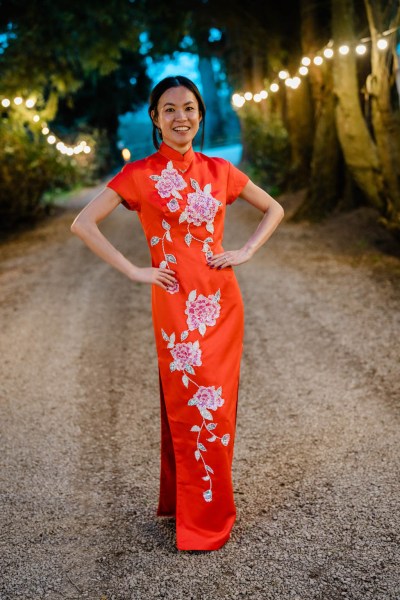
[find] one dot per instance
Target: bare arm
(85, 227)
(273, 214)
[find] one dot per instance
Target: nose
(180, 115)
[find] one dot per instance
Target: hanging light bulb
(328, 52)
(382, 44)
(248, 96)
(303, 70)
(264, 94)
(30, 103)
(296, 81)
(274, 87)
(36, 118)
(45, 130)
(361, 49)
(318, 60)
(283, 74)
(257, 98)
(344, 49)
(18, 100)
(5, 102)
(306, 61)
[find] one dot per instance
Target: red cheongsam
(198, 326)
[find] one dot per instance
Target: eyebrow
(172, 104)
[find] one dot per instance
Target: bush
(32, 171)
(266, 149)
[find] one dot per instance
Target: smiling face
(178, 117)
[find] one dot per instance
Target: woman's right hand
(157, 276)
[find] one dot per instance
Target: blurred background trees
(336, 135)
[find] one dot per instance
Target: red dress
(198, 326)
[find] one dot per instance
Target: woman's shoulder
(212, 159)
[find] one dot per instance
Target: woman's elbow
(78, 227)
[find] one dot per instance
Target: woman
(180, 196)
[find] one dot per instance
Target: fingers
(165, 278)
(219, 261)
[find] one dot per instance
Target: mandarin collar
(183, 159)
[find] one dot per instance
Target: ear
(154, 118)
(201, 118)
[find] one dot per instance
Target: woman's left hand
(231, 258)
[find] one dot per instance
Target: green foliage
(267, 149)
(31, 171)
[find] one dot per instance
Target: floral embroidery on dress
(169, 183)
(201, 208)
(168, 257)
(202, 311)
(187, 355)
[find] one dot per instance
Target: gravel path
(316, 467)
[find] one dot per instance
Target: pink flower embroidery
(201, 206)
(188, 354)
(169, 182)
(173, 288)
(207, 398)
(173, 205)
(202, 312)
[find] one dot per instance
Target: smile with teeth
(181, 128)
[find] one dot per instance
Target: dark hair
(164, 85)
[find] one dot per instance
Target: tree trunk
(386, 123)
(323, 191)
(359, 150)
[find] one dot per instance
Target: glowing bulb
(283, 74)
(257, 98)
(382, 44)
(248, 96)
(288, 82)
(296, 81)
(237, 100)
(36, 118)
(60, 146)
(303, 70)
(30, 103)
(264, 94)
(5, 102)
(126, 154)
(328, 52)
(51, 139)
(344, 50)
(361, 49)
(318, 60)
(274, 87)
(18, 100)
(69, 151)
(45, 130)
(306, 61)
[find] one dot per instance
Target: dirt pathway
(317, 455)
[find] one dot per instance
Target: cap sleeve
(236, 182)
(124, 183)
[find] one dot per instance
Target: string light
(51, 137)
(238, 100)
